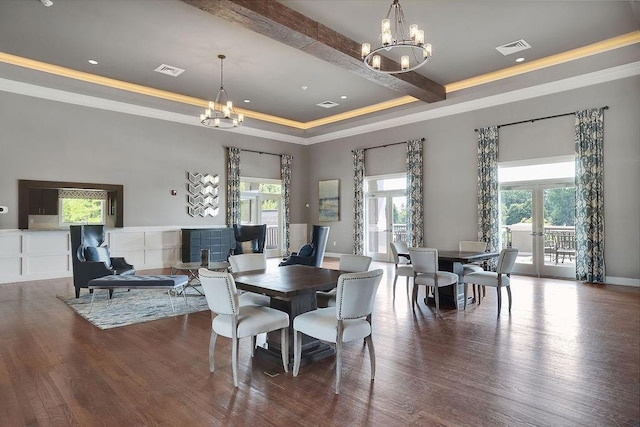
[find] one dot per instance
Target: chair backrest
(356, 294)
(472, 246)
(220, 291)
(401, 246)
(247, 262)
(83, 236)
(506, 260)
(249, 238)
(319, 237)
(424, 260)
(354, 263)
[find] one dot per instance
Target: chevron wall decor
(202, 194)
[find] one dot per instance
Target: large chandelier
(404, 45)
(220, 113)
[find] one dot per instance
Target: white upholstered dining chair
(425, 267)
(349, 320)
(501, 278)
(235, 321)
(402, 264)
(348, 264)
(247, 262)
(473, 246)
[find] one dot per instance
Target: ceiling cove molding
(42, 92)
(603, 76)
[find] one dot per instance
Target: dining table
(292, 289)
(453, 261)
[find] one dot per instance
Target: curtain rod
(388, 145)
(606, 107)
(261, 152)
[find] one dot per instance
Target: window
(82, 206)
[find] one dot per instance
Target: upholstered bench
(175, 283)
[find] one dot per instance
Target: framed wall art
(329, 200)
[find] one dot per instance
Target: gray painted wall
(46, 140)
(450, 165)
(51, 141)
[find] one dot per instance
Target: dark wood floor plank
(569, 354)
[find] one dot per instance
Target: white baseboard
(622, 281)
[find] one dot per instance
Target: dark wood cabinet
(43, 201)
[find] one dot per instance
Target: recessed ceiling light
(247, 101)
(305, 87)
(92, 62)
(343, 97)
(519, 59)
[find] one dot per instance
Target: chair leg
(499, 299)
(509, 295)
(338, 363)
(284, 348)
(297, 352)
(395, 280)
(212, 347)
(372, 356)
(253, 345)
(234, 360)
(466, 286)
(414, 296)
(473, 288)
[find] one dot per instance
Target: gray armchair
(90, 258)
(249, 238)
(311, 253)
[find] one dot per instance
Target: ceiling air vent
(169, 70)
(327, 104)
(513, 47)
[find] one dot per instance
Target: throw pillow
(306, 250)
(248, 247)
(98, 254)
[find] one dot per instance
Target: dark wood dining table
(452, 261)
(292, 289)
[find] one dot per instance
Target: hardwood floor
(568, 355)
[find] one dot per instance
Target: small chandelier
(406, 43)
(220, 113)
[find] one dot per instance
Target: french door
(261, 203)
(538, 219)
(385, 215)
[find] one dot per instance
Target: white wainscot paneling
(46, 242)
(47, 264)
(10, 267)
(161, 257)
(162, 239)
(126, 240)
(10, 245)
(297, 236)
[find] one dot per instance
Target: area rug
(134, 306)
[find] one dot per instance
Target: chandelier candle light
(405, 42)
(220, 113)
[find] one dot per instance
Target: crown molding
(589, 79)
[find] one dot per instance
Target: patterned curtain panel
(415, 204)
(590, 195)
(358, 201)
(488, 219)
(285, 174)
(233, 186)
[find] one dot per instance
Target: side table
(191, 270)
